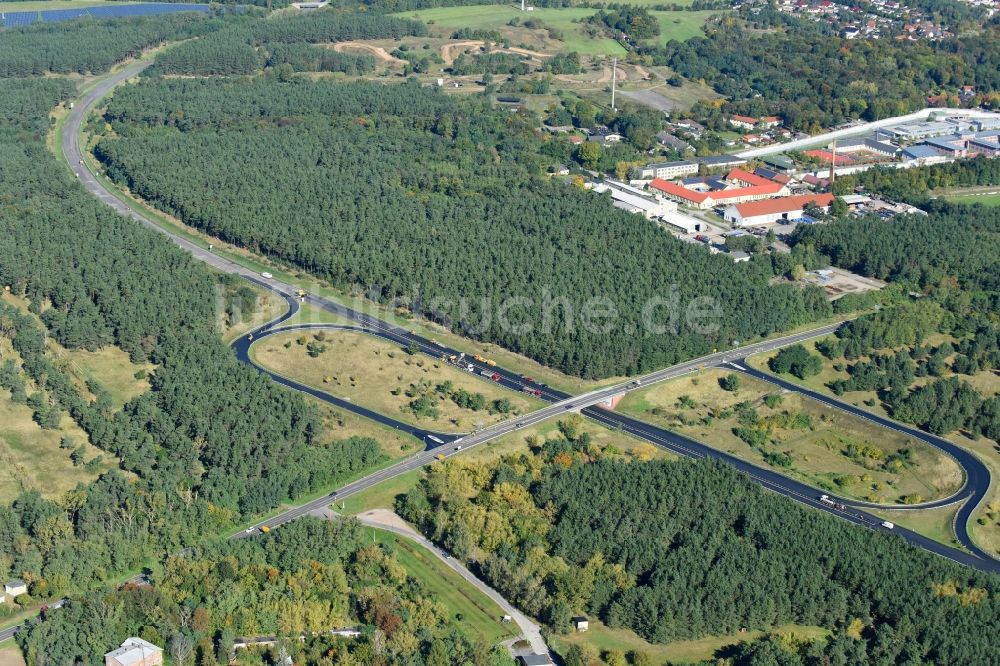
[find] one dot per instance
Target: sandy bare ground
(448, 51)
(376, 51)
(642, 72)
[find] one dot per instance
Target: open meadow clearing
(382, 376)
(827, 448)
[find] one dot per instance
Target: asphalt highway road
(561, 402)
(668, 440)
(430, 438)
(977, 475)
(863, 128)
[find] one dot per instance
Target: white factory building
(773, 210)
(634, 200)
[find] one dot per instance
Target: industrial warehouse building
(763, 212)
(634, 200)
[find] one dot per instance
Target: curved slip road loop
(561, 402)
(977, 475)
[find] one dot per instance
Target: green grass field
(269, 306)
(471, 611)
(30, 457)
(111, 368)
(933, 523)
(817, 452)
(341, 424)
(495, 17)
(378, 375)
(601, 638)
(985, 523)
(570, 21)
(987, 533)
(680, 25)
(985, 199)
(10, 655)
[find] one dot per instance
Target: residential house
(743, 122)
(668, 140)
(135, 652)
(691, 127)
(605, 138)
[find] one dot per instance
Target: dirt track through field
(376, 51)
(448, 50)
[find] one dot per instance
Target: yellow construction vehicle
(490, 362)
(439, 456)
(479, 358)
(265, 529)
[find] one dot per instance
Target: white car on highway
(266, 275)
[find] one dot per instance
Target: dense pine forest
(815, 80)
(915, 185)
(247, 43)
(308, 577)
(950, 258)
(407, 193)
(953, 241)
(676, 550)
(92, 46)
(211, 443)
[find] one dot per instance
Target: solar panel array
(14, 19)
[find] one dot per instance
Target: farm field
(802, 438)
(600, 637)
(985, 199)
(495, 17)
(384, 377)
(680, 25)
(571, 22)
